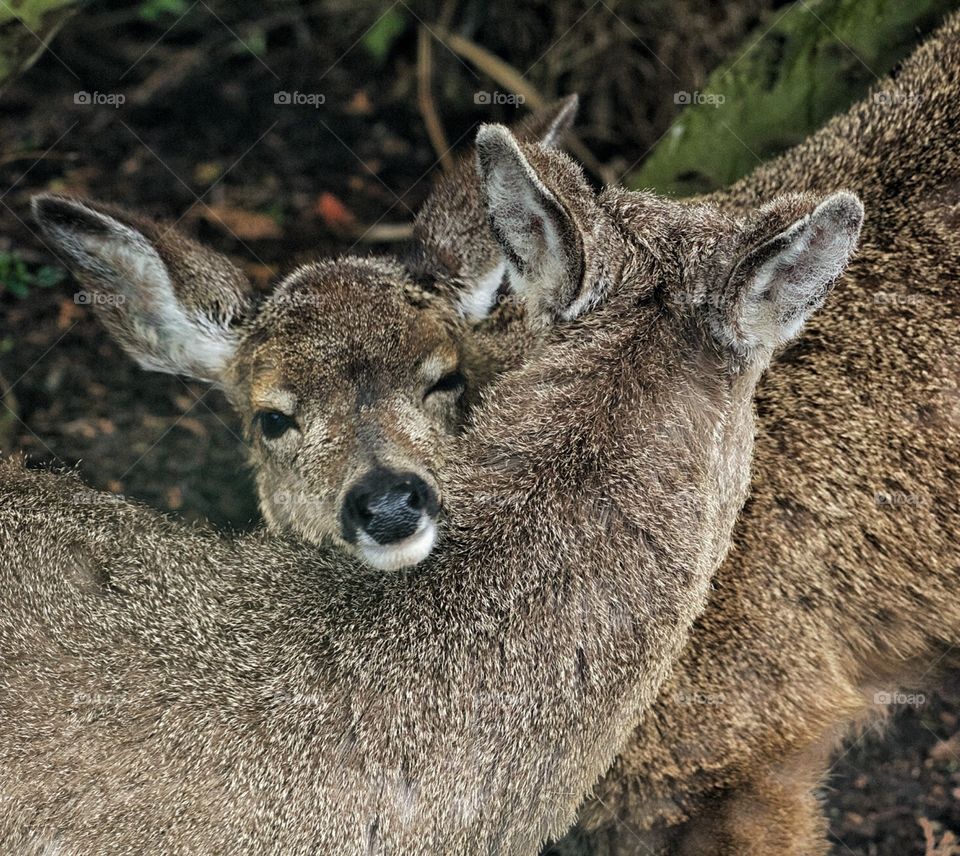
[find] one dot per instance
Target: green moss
(783, 83)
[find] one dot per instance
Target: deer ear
(774, 288)
(172, 304)
(539, 237)
(548, 126)
(452, 228)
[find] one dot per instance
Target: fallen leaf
(174, 497)
(946, 750)
(207, 172)
(81, 428)
(194, 426)
(333, 212)
(69, 313)
(242, 224)
(948, 845)
(260, 274)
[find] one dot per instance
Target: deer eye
(452, 382)
(273, 423)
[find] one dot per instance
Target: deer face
(349, 395)
(348, 381)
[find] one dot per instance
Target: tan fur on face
(342, 350)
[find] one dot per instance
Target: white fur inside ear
(525, 216)
(518, 203)
(162, 335)
(477, 303)
(786, 289)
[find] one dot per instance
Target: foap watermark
(696, 698)
(300, 99)
(99, 99)
(98, 699)
(509, 298)
(888, 298)
(98, 298)
(487, 99)
(298, 301)
(899, 698)
(297, 499)
(97, 498)
(895, 97)
(901, 499)
(714, 99)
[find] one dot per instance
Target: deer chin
(400, 554)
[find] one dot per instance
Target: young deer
(169, 689)
(346, 426)
(841, 587)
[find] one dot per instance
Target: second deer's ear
(540, 238)
(172, 304)
(774, 288)
(549, 125)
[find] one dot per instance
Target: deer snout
(390, 518)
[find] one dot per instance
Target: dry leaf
(333, 212)
(174, 498)
(69, 313)
(360, 104)
(194, 426)
(948, 845)
(242, 224)
(261, 274)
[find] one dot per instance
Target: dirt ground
(202, 135)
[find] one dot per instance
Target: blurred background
(280, 131)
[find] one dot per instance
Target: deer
(840, 590)
(345, 454)
(166, 687)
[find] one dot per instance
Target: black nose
(387, 506)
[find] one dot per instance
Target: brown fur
(844, 574)
(204, 694)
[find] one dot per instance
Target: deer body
(843, 577)
(166, 688)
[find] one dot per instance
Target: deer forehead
(288, 372)
(321, 316)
